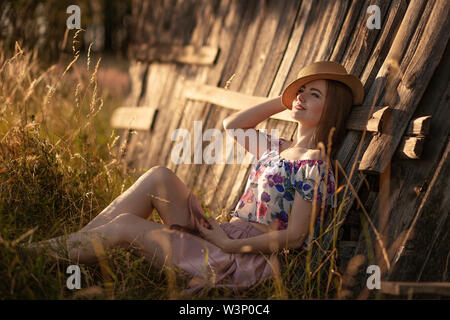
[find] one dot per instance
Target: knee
(158, 170)
(157, 173)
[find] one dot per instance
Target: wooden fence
(201, 60)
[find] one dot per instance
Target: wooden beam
(414, 80)
(405, 288)
(359, 118)
(138, 118)
(419, 126)
(238, 101)
(226, 98)
(219, 96)
(189, 54)
(410, 147)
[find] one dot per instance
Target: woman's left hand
(215, 235)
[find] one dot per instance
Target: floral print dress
(271, 185)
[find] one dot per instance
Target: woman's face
(308, 105)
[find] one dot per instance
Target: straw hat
(323, 70)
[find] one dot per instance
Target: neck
(304, 137)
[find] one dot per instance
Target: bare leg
(82, 246)
(158, 188)
(149, 239)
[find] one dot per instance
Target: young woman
(275, 211)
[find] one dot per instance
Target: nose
(300, 97)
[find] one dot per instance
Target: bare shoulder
(318, 156)
(295, 153)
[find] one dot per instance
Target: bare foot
(53, 247)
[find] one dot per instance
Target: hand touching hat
(323, 70)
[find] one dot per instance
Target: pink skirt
(212, 267)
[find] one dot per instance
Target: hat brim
(349, 80)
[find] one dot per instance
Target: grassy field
(59, 167)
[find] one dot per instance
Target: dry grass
(59, 168)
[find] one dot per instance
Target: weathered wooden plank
(411, 179)
(155, 26)
(271, 60)
(315, 27)
(350, 151)
(147, 15)
(407, 288)
(292, 48)
(219, 96)
(240, 16)
(320, 27)
(358, 119)
(137, 71)
(173, 95)
(419, 126)
(188, 54)
(277, 50)
(228, 99)
(141, 12)
(232, 178)
(363, 42)
(410, 148)
(430, 236)
(208, 175)
(408, 184)
(270, 45)
(198, 110)
(412, 143)
(424, 62)
(395, 15)
(174, 28)
(354, 60)
(194, 110)
(253, 37)
(138, 118)
(411, 43)
(326, 40)
(353, 13)
(155, 81)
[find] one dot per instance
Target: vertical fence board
(263, 44)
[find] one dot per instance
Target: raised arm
(247, 120)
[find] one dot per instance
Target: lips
(299, 107)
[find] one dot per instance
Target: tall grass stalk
(59, 168)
